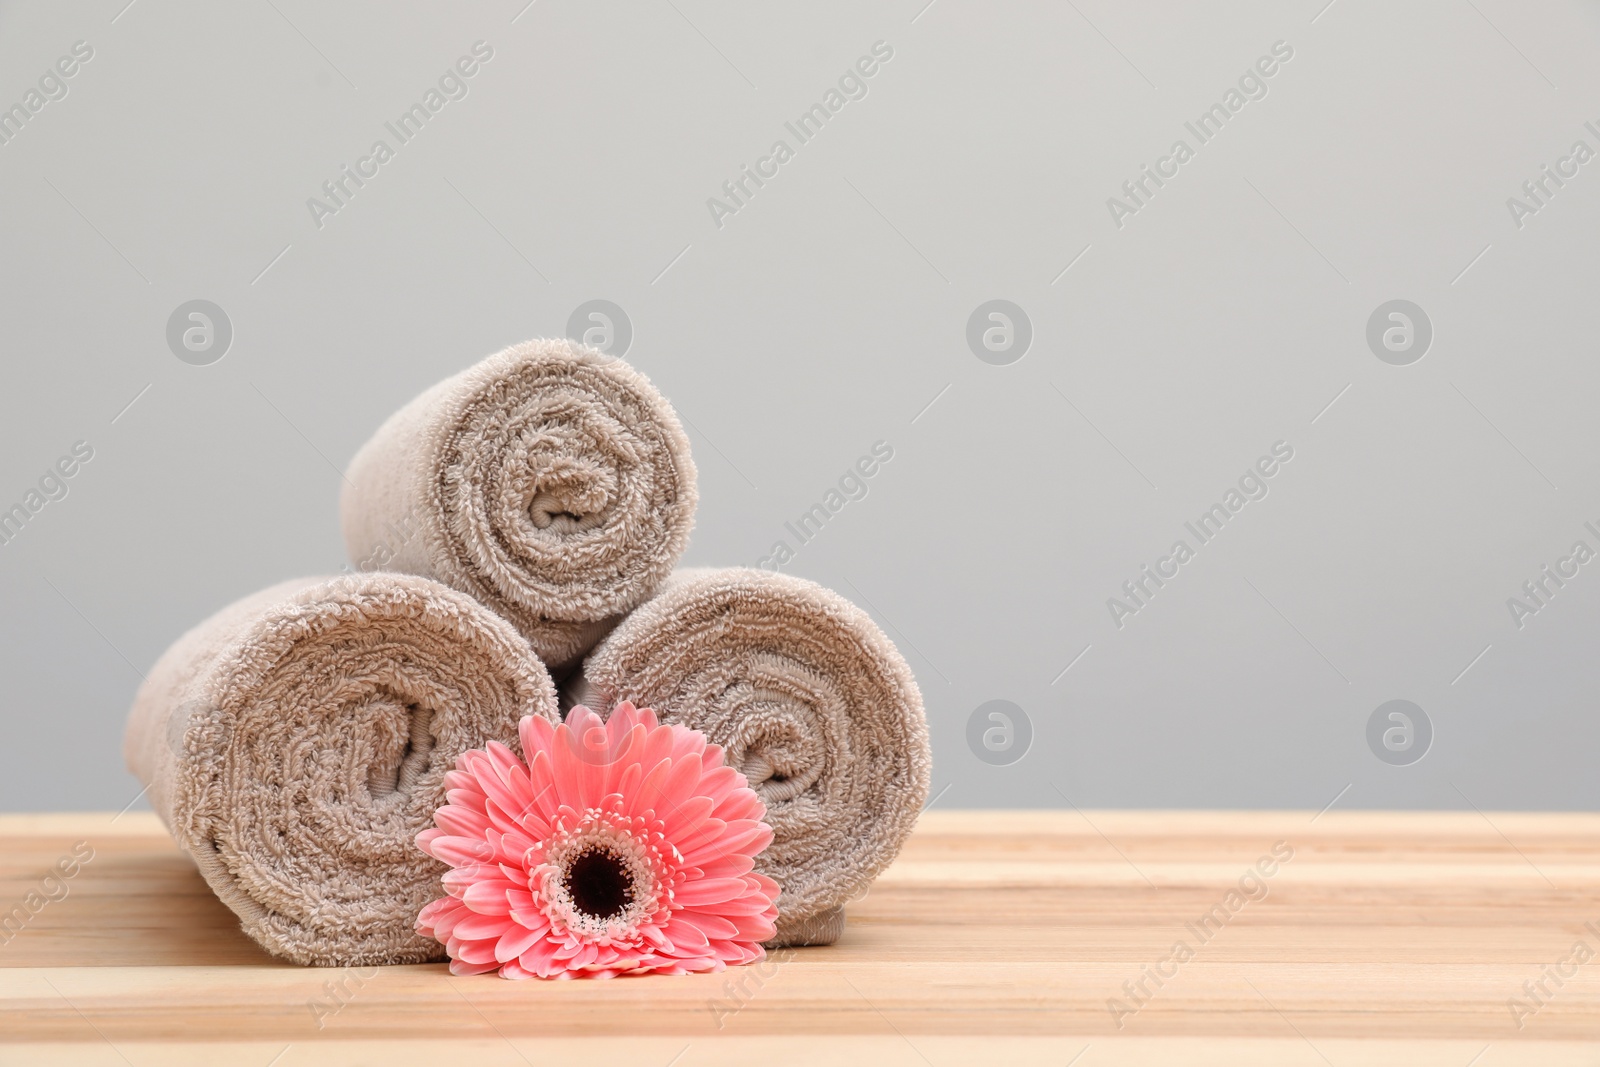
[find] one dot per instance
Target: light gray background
(826, 315)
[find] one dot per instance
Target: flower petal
(458, 879)
(687, 938)
(542, 781)
(488, 897)
(685, 817)
(473, 950)
(458, 821)
(732, 866)
(511, 796)
(704, 891)
(745, 836)
(439, 917)
(713, 926)
(461, 969)
(459, 851)
(691, 841)
(567, 769)
(476, 927)
(650, 789)
(535, 732)
(515, 941)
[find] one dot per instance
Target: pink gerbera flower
(621, 847)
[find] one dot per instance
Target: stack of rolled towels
(514, 533)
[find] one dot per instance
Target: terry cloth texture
(808, 698)
(297, 741)
(550, 481)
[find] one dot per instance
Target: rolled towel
(808, 698)
(550, 481)
(297, 741)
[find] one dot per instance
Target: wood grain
(1388, 933)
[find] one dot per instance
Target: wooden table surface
(1376, 938)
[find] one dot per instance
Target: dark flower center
(598, 884)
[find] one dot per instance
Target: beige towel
(296, 742)
(550, 481)
(808, 698)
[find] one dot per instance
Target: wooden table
(1016, 937)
